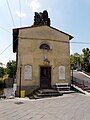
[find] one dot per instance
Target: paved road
(82, 78)
(81, 75)
(74, 106)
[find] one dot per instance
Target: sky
(70, 16)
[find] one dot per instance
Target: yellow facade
(29, 53)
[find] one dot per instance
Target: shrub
(1, 84)
(1, 87)
(87, 67)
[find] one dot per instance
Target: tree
(86, 64)
(86, 52)
(2, 72)
(11, 69)
(87, 67)
(81, 60)
(75, 59)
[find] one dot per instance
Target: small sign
(28, 72)
(61, 72)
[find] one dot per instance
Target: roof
(16, 32)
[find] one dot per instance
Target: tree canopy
(2, 72)
(11, 69)
(81, 59)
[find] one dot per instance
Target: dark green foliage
(86, 64)
(2, 72)
(11, 69)
(84, 59)
(1, 85)
(86, 67)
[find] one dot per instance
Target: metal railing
(84, 84)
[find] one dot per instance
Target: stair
(45, 93)
(63, 88)
(88, 90)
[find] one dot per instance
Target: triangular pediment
(44, 32)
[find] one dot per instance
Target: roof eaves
(70, 37)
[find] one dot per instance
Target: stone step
(63, 89)
(47, 94)
(67, 92)
(88, 90)
(43, 93)
(47, 91)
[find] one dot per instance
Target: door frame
(49, 77)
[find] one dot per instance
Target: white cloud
(71, 52)
(20, 14)
(34, 5)
(26, 2)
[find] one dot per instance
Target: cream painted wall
(29, 52)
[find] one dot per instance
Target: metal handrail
(81, 83)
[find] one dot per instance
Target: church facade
(42, 57)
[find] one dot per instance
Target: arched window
(45, 46)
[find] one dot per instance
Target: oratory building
(42, 55)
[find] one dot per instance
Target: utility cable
(42, 39)
(22, 37)
(7, 47)
(80, 42)
(20, 12)
(10, 12)
(4, 29)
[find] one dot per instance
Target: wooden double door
(45, 76)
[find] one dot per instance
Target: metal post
(20, 82)
(72, 75)
(83, 84)
(72, 72)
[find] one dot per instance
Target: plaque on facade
(28, 72)
(61, 72)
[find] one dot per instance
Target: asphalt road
(74, 106)
(82, 77)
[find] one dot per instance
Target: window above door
(45, 46)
